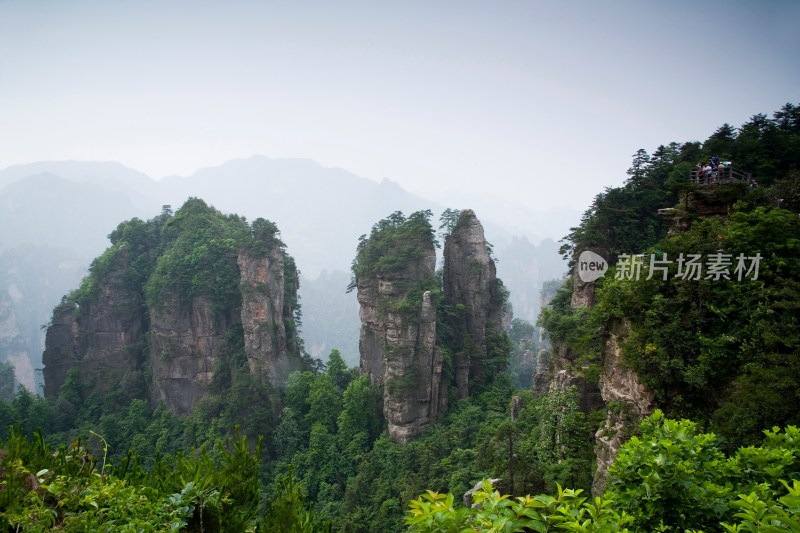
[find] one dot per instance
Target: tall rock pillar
(395, 275)
(474, 300)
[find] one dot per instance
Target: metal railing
(722, 174)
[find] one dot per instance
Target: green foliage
(567, 510)
(411, 303)
(671, 478)
(549, 443)
(338, 371)
(448, 221)
(265, 236)
(675, 478)
(175, 257)
(6, 382)
(135, 246)
(288, 511)
(724, 351)
(625, 219)
(770, 516)
(27, 413)
(393, 244)
(577, 329)
(498, 352)
(721, 351)
(621, 220)
(291, 312)
(68, 490)
(199, 258)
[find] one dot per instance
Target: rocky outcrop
(61, 348)
(412, 373)
(190, 303)
(541, 375)
(395, 277)
(103, 338)
(627, 399)
(190, 343)
(589, 393)
(398, 344)
(187, 342)
(266, 312)
(394, 274)
(473, 295)
(702, 202)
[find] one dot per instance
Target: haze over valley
(321, 213)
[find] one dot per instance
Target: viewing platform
(724, 173)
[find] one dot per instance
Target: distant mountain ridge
(72, 206)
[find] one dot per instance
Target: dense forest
(316, 455)
(721, 349)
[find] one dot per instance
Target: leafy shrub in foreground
(671, 478)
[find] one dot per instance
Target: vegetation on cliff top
(393, 244)
(183, 255)
(625, 220)
(723, 350)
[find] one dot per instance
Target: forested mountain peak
(625, 219)
(176, 309)
(695, 314)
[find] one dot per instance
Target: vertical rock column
(398, 343)
(471, 293)
(264, 310)
(633, 402)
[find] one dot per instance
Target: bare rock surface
(472, 291)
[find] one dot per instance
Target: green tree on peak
(392, 244)
(638, 168)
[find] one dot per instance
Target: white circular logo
(591, 266)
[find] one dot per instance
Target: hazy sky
(542, 102)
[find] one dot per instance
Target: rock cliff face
(397, 291)
(103, 339)
(472, 292)
(268, 313)
(564, 372)
(583, 291)
(628, 400)
(398, 341)
(187, 342)
(702, 203)
(136, 314)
